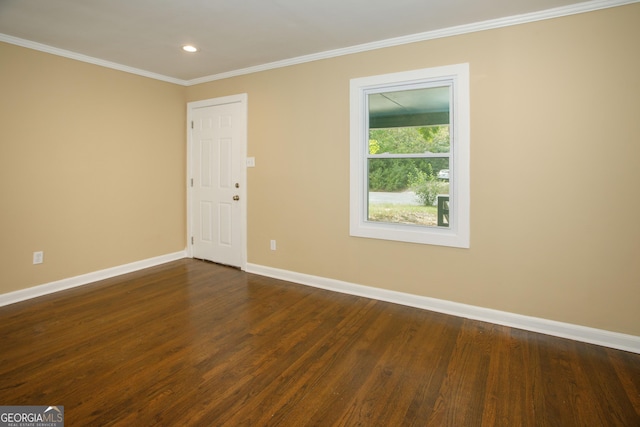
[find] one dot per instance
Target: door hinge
(192, 240)
(191, 124)
(192, 182)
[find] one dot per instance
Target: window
(410, 156)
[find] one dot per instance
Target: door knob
(236, 197)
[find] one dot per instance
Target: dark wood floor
(191, 343)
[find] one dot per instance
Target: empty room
(408, 213)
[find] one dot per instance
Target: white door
(217, 147)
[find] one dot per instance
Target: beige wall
(554, 171)
(92, 166)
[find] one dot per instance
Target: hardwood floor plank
(193, 343)
(604, 386)
(386, 395)
(627, 367)
(458, 404)
(425, 364)
(504, 399)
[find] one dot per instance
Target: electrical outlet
(38, 257)
(273, 245)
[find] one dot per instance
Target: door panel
(216, 144)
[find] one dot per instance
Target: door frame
(242, 163)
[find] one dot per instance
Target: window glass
(408, 159)
(406, 190)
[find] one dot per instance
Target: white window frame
(457, 233)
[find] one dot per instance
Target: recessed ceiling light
(189, 48)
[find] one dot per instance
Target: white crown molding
(72, 282)
(544, 326)
(88, 59)
(558, 12)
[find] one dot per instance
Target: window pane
(412, 108)
(409, 191)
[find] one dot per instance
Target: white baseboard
(549, 327)
(72, 282)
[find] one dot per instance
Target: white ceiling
(232, 35)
